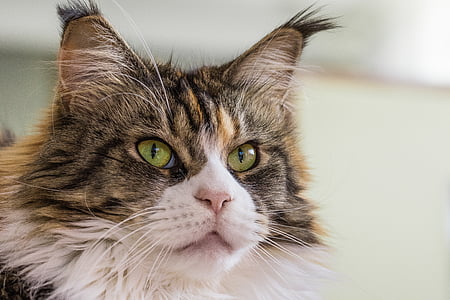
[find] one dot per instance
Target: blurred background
(374, 109)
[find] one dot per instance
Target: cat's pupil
(240, 155)
(154, 150)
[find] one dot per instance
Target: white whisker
(265, 252)
(290, 237)
(39, 187)
(147, 50)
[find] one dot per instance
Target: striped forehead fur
(82, 211)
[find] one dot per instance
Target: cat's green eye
(242, 158)
(156, 153)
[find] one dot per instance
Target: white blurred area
(374, 112)
(403, 40)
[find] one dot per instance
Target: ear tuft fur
(307, 22)
(76, 9)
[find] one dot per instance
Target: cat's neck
(94, 270)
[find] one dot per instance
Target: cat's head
(200, 167)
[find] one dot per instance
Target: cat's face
(197, 167)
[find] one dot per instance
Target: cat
(145, 181)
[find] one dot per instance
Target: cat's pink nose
(214, 199)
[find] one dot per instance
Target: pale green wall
(380, 158)
(26, 82)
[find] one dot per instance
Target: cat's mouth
(212, 242)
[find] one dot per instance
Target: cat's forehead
(202, 102)
(201, 105)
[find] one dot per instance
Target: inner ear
(82, 33)
(270, 62)
(269, 65)
(90, 43)
(93, 61)
(80, 40)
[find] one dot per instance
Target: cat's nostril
(214, 199)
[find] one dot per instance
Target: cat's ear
(92, 56)
(270, 64)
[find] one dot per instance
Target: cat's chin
(211, 245)
(209, 257)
